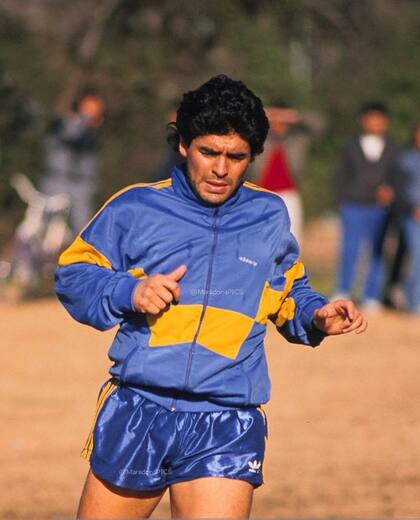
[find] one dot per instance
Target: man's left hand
(339, 317)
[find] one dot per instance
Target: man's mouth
(216, 187)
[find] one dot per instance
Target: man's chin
(215, 199)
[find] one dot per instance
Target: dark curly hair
(374, 106)
(220, 106)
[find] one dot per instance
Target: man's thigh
(211, 497)
(106, 501)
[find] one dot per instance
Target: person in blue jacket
(409, 164)
(191, 269)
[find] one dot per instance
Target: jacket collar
(183, 189)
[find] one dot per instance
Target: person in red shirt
(281, 165)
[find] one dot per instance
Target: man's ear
(182, 148)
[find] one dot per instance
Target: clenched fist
(155, 293)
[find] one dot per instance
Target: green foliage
(21, 115)
(260, 52)
(153, 50)
(317, 181)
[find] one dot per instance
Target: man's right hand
(384, 195)
(155, 293)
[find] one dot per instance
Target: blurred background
(140, 55)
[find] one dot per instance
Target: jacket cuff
(122, 296)
(308, 315)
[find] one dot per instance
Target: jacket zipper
(205, 302)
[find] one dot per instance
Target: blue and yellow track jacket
(205, 353)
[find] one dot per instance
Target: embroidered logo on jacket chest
(247, 260)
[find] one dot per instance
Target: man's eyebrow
(237, 155)
(206, 149)
(232, 155)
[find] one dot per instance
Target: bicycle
(38, 239)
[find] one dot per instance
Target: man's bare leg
(211, 497)
(105, 501)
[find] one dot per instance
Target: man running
(191, 269)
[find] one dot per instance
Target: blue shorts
(138, 444)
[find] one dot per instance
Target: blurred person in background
(364, 179)
(71, 159)
(171, 158)
(396, 254)
(409, 164)
(280, 167)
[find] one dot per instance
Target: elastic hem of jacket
(122, 296)
(184, 402)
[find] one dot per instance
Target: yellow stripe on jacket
(222, 331)
(82, 251)
(155, 185)
(274, 302)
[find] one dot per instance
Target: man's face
(374, 122)
(278, 127)
(216, 165)
(93, 108)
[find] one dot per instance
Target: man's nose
(220, 166)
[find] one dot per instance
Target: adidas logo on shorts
(254, 466)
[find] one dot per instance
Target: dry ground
(344, 420)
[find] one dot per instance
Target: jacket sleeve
(91, 281)
(297, 300)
